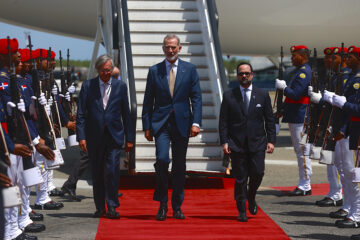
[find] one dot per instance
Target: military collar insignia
(303, 67)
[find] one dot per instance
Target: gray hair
(171, 36)
(101, 60)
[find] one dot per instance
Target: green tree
(231, 64)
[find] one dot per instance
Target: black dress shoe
(341, 213)
(242, 217)
(355, 237)
(33, 227)
(299, 192)
(328, 202)
(178, 214)
(99, 213)
(161, 214)
(24, 236)
(347, 223)
(56, 193)
(68, 190)
(112, 213)
(253, 207)
(36, 216)
(49, 206)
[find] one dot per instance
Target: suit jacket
(258, 126)
(158, 103)
(92, 118)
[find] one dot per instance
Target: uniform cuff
(196, 125)
(36, 140)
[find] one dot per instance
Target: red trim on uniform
(302, 100)
(354, 119)
(4, 126)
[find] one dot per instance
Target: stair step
(206, 110)
(157, 49)
(158, 38)
(162, 5)
(205, 85)
(206, 97)
(203, 137)
(147, 26)
(141, 73)
(163, 14)
(194, 150)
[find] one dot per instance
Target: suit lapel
(112, 92)
(163, 78)
(97, 93)
(252, 100)
(239, 99)
(179, 75)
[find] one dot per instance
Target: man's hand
(22, 150)
(57, 129)
(71, 125)
(280, 84)
(270, 148)
(82, 145)
(148, 135)
(5, 180)
(194, 131)
(226, 148)
(45, 151)
(129, 146)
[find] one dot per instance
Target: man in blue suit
(103, 121)
(170, 88)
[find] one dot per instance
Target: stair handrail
(120, 14)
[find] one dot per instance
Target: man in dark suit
(170, 88)
(103, 121)
(247, 131)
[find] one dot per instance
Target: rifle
(335, 120)
(72, 117)
(17, 120)
(278, 100)
(65, 104)
(314, 109)
(43, 121)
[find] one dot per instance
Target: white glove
(9, 107)
(280, 84)
(67, 96)
(310, 90)
(339, 101)
(42, 99)
(33, 97)
(21, 106)
(71, 89)
(277, 126)
(48, 109)
(328, 96)
(315, 97)
(54, 90)
(50, 101)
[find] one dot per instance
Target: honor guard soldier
(332, 62)
(295, 105)
(350, 105)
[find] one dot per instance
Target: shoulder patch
(356, 86)
(303, 67)
(302, 75)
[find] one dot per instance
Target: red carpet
(316, 189)
(209, 209)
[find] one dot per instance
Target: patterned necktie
(246, 100)
(172, 78)
(105, 95)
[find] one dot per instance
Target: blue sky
(79, 49)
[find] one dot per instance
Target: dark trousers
(169, 133)
(2, 217)
(248, 170)
(105, 162)
(78, 170)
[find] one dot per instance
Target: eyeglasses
(106, 71)
(244, 73)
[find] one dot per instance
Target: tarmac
(299, 217)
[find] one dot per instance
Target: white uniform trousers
(51, 185)
(12, 229)
(335, 189)
(302, 154)
(354, 213)
(42, 195)
(344, 162)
